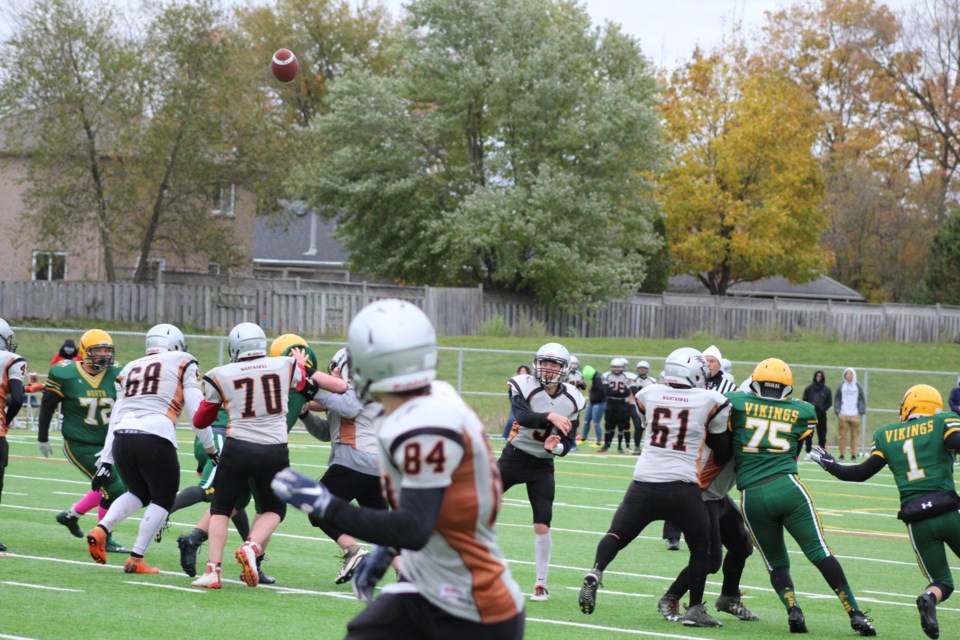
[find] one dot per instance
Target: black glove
(214, 457)
(370, 570)
(102, 476)
(819, 455)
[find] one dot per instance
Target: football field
(51, 589)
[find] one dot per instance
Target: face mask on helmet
(920, 400)
(96, 349)
(772, 378)
(6, 338)
(551, 365)
(340, 362)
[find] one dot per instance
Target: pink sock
(87, 502)
(101, 514)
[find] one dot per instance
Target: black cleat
(188, 553)
(796, 621)
(861, 623)
(588, 592)
(927, 604)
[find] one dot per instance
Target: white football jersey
(254, 393)
(677, 422)
(568, 402)
(13, 367)
(437, 441)
(154, 384)
(644, 382)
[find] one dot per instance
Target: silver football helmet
(574, 363)
(247, 340)
(619, 363)
(6, 337)
(393, 348)
(686, 367)
(551, 352)
(165, 337)
(643, 364)
(341, 361)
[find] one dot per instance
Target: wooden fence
(321, 309)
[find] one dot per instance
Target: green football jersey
(915, 453)
(765, 434)
(86, 400)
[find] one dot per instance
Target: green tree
(509, 147)
(742, 192)
(942, 275)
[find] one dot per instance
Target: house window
(213, 268)
(49, 265)
(224, 198)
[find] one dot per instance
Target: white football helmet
(551, 352)
(643, 364)
(165, 337)
(574, 363)
(619, 363)
(393, 348)
(341, 361)
(247, 340)
(686, 367)
(6, 336)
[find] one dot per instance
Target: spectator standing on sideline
(11, 393)
(819, 395)
(68, 351)
(849, 404)
(597, 406)
(521, 370)
(954, 399)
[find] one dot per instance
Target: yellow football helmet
(284, 342)
(920, 400)
(102, 343)
(772, 378)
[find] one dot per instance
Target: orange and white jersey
(437, 441)
(567, 402)
(12, 367)
(677, 422)
(254, 394)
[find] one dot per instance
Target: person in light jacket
(849, 403)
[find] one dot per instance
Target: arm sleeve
(14, 400)
(347, 404)
(316, 426)
(857, 472)
(568, 441)
(48, 406)
(206, 414)
(106, 454)
(953, 441)
(526, 416)
(409, 527)
(722, 446)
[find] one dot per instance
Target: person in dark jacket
(954, 400)
(68, 351)
(821, 397)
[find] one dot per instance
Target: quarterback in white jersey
(442, 482)
(682, 419)
(142, 442)
(546, 419)
(13, 368)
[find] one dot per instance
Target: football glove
(819, 455)
(301, 491)
(370, 570)
(214, 457)
(102, 476)
(45, 448)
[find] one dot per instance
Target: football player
(142, 441)
(920, 451)
(85, 392)
(680, 416)
(575, 377)
(443, 485)
(619, 386)
(546, 419)
(13, 369)
(643, 380)
(768, 428)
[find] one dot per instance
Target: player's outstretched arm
(848, 472)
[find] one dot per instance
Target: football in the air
(284, 65)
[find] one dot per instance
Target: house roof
(297, 236)
(822, 288)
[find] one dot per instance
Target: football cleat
(247, 557)
(351, 559)
(696, 616)
(588, 592)
(71, 523)
(3, 547)
(263, 578)
(603, 449)
(861, 623)
(669, 608)
(138, 565)
(927, 605)
(159, 537)
(673, 544)
(96, 544)
(796, 620)
(188, 553)
(210, 579)
(112, 546)
(540, 593)
(734, 606)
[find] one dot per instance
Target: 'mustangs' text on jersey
(567, 401)
(677, 422)
(437, 441)
(765, 434)
(86, 400)
(255, 394)
(916, 455)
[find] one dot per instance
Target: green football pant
(929, 539)
(783, 504)
(84, 457)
